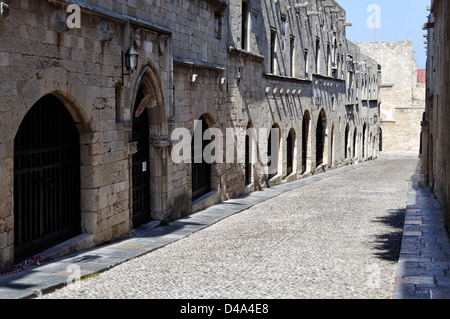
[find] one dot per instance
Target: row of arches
(47, 163)
(201, 172)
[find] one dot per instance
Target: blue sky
(400, 20)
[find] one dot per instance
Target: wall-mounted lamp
(4, 10)
(131, 58)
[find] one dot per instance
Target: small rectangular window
(218, 26)
(292, 56)
(273, 38)
(318, 56)
(306, 59)
(245, 26)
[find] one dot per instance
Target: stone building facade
(435, 124)
(87, 148)
(402, 95)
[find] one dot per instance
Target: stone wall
(402, 98)
(435, 127)
(192, 63)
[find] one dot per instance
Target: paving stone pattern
(336, 236)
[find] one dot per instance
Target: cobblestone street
(337, 238)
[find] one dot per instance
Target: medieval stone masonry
(88, 142)
(402, 93)
(435, 124)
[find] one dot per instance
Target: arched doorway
(347, 132)
(47, 208)
(290, 152)
(355, 135)
(320, 138)
(150, 130)
(201, 169)
(306, 136)
(140, 163)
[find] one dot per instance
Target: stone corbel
(160, 141)
(131, 148)
(162, 43)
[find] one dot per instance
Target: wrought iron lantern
(131, 58)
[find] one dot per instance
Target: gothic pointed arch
(151, 133)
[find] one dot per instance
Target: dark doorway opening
(201, 171)
(140, 164)
(305, 141)
(290, 153)
(47, 207)
(320, 140)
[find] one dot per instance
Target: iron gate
(140, 165)
(46, 179)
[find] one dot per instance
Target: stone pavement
(424, 264)
(422, 271)
(38, 280)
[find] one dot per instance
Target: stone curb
(424, 264)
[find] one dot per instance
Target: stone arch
(62, 84)
(148, 100)
(71, 92)
(321, 139)
(46, 171)
(150, 83)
